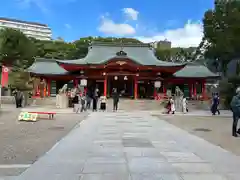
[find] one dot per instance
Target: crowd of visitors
(96, 100)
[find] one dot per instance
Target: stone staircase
(124, 104)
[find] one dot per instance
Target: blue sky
(151, 20)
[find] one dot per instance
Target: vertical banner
(4, 78)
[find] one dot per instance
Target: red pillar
(135, 88)
(195, 89)
(75, 82)
(105, 86)
(48, 87)
(164, 90)
(204, 89)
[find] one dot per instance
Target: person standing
(215, 103)
(18, 98)
(184, 105)
(83, 102)
(235, 107)
(115, 97)
(89, 99)
(95, 99)
(103, 102)
(173, 109)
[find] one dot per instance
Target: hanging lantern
(83, 82)
(125, 78)
(104, 73)
(115, 78)
(157, 84)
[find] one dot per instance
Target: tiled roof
(46, 66)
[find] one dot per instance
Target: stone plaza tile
(117, 176)
(182, 157)
(198, 176)
(131, 152)
(145, 165)
(193, 167)
(110, 160)
(110, 168)
(106, 152)
(153, 176)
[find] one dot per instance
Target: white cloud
(131, 13)
(189, 35)
(109, 27)
(68, 26)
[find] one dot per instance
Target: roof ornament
(121, 52)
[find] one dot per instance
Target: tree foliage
(221, 27)
(16, 49)
(176, 54)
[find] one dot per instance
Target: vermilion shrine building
(131, 68)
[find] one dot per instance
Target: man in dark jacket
(18, 98)
(235, 106)
(115, 97)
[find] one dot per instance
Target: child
(103, 100)
(83, 102)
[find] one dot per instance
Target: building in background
(31, 29)
(162, 44)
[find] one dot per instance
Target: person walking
(235, 107)
(115, 97)
(215, 103)
(95, 99)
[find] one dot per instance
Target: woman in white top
(172, 105)
(103, 101)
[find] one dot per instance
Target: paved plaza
(132, 146)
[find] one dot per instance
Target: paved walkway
(133, 146)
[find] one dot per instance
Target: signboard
(157, 84)
(26, 116)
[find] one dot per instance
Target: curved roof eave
(73, 62)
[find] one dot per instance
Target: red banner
(4, 78)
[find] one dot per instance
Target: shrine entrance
(123, 84)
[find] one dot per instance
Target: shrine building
(131, 68)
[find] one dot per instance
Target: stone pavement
(132, 146)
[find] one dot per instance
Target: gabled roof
(195, 71)
(101, 53)
(47, 67)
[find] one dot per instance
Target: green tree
(221, 27)
(16, 49)
(176, 54)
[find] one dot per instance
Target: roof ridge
(119, 44)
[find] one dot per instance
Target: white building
(31, 29)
